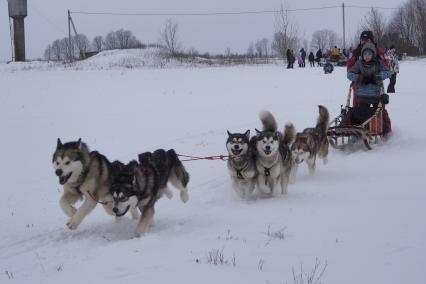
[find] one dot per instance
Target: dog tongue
(62, 179)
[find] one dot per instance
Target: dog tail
(178, 168)
(289, 133)
(323, 120)
(268, 121)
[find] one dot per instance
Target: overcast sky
(47, 21)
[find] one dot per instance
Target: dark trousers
(312, 63)
(392, 81)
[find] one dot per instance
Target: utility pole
(70, 51)
(344, 33)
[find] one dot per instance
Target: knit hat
(369, 46)
(367, 35)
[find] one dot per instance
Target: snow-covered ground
(360, 215)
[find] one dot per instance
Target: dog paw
(168, 193)
(73, 224)
(325, 161)
(138, 234)
(184, 196)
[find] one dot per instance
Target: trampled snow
(361, 215)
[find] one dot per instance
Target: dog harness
(240, 172)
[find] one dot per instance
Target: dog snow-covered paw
(73, 224)
(168, 193)
(184, 196)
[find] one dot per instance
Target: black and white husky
(83, 175)
(241, 164)
(140, 185)
(273, 156)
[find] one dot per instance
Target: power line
(254, 12)
(371, 7)
(202, 13)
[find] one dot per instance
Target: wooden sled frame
(370, 131)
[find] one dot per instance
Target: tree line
(406, 30)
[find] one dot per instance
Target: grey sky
(47, 21)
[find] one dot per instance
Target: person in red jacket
(367, 36)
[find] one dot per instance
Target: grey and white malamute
(241, 163)
(82, 174)
(273, 155)
(140, 185)
(312, 142)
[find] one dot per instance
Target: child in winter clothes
(311, 59)
(368, 73)
(394, 68)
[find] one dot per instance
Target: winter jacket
(319, 55)
(311, 57)
(369, 76)
(393, 61)
(303, 53)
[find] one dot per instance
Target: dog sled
(365, 123)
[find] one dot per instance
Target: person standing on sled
(368, 74)
(367, 37)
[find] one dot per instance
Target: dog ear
(258, 132)
(79, 144)
(134, 180)
(229, 133)
(247, 134)
(58, 144)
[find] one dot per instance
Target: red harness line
(211, 158)
(97, 200)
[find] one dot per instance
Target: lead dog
(83, 175)
(140, 185)
(241, 164)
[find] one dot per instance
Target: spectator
(319, 56)
(303, 56)
(393, 66)
(311, 59)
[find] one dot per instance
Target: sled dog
(273, 155)
(241, 164)
(140, 185)
(83, 175)
(312, 142)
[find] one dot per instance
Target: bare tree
(324, 39)
(126, 39)
(111, 41)
(285, 36)
(169, 37)
(97, 43)
(82, 45)
(375, 22)
(420, 23)
(262, 47)
(250, 49)
(56, 50)
(48, 53)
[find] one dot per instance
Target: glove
(370, 80)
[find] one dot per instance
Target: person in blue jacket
(368, 73)
(328, 68)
